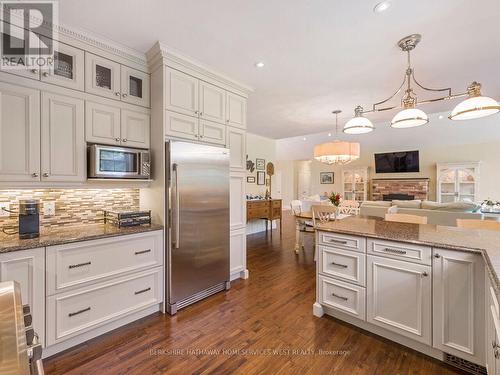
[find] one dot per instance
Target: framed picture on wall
(260, 164)
(251, 179)
(326, 177)
(261, 178)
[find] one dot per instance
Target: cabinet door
(212, 103)
(399, 297)
(237, 212)
(102, 124)
(19, 69)
(236, 142)
(68, 70)
(102, 76)
(236, 110)
(458, 304)
(181, 126)
(238, 253)
(212, 132)
(19, 133)
(135, 86)
(63, 138)
(135, 128)
(181, 93)
(491, 336)
(27, 267)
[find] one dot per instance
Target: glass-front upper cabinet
(134, 86)
(457, 182)
(102, 76)
(68, 68)
(18, 46)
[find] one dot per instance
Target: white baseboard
(243, 274)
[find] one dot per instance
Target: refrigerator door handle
(177, 220)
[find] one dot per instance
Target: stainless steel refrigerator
(197, 235)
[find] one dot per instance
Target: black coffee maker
(29, 218)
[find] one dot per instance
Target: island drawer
(344, 297)
(343, 264)
(82, 263)
(400, 250)
(75, 312)
(342, 241)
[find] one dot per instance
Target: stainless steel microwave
(118, 162)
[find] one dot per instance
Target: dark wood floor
(263, 325)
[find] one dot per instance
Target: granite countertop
(484, 242)
(64, 235)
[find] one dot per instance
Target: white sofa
(436, 213)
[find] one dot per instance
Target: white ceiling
(320, 55)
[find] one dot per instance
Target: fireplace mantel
(416, 187)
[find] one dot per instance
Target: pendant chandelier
(337, 152)
(474, 107)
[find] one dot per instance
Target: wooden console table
(265, 209)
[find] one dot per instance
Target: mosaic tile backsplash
(73, 206)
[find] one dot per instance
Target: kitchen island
(427, 287)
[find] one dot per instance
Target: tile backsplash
(73, 206)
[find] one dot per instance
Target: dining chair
(349, 207)
(323, 213)
(296, 207)
(405, 218)
(478, 224)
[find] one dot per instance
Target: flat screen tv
(397, 162)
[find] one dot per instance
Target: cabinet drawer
(348, 298)
(86, 262)
(342, 241)
(276, 204)
(258, 212)
(75, 312)
(403, 251)
(343, 264)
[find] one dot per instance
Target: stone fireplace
(402, 189)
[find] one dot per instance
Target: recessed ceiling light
(329, 134)
(382, 6)
(259, 64)
(440, 117)
(304, 139)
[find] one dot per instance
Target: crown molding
(160, 52)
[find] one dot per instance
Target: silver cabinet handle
(45, 74)
(341, 297)
(425, 274)
(124, 140)
(71, 266)
(394, 251)
(338, 241)
(79, 312)
(227, 121)
(493, 344)
(143, 252)
(34, 174)
(118, 139)
(177, 220)
(34, 71)
(339, 265)
(196, 112)
(497, 354)
(201, 113)
(117, 93)
(142, 291)
(201, 136)
(124, 95)
(45, 174)
(437, 256)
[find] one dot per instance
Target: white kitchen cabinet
(238, 253)
(458, 304)
(212, 102)
(399, 297)
(355, 184)
(181, 92)
(341, 296)
(62, 138)
(236, 110)
(457, 182)
(135, 128)
(492, 354)
(237, 200)
(102, 123)
(181, 126)
(102, 76)
(27, 267)
(212, 132)
(19, 68)
(69, 68)
(342, 264)
(135, 86)
(236, 142)
(19, 133)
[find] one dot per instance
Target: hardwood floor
(263, 325)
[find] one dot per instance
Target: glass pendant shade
(409, 118)
(475, 107)
(337, 152)
(358, 125)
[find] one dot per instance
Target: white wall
(261, 148)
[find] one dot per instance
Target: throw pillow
(407, 204)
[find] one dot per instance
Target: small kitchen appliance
(29, 218)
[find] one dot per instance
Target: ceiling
(319, 55)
